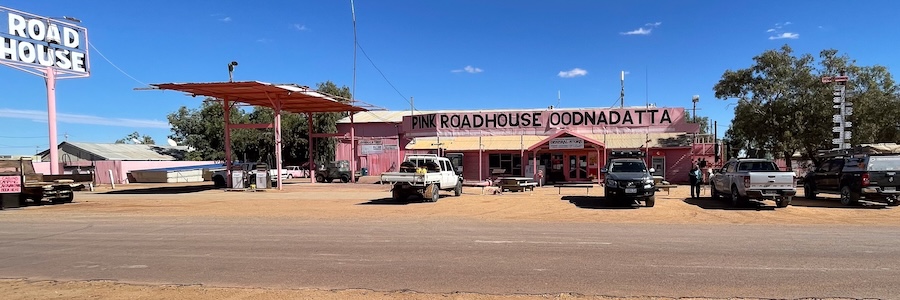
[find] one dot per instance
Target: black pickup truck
(627, 177)
(855, 176)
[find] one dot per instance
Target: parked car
(627, 177)
(296, 172)
(752, 178)
(334, 170)
(856, 175)
(424, 175)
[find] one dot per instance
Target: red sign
(835, 79)
(10, 184)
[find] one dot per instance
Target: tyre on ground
(808, 192)
(457, 191)
(219, 182)
(320, 178)
(432, 193)
(650, 201)
(849, 197)
(736, 199)
(345, 178)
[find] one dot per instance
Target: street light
(695, 99)
(231, 66)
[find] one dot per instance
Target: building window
(510, 163)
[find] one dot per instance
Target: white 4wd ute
(424, 175)
(748, 178)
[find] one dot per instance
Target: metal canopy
(280, 97)
(293, 98)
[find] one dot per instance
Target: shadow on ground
(597, 202)
(390, 201)
(725, 204)
(164, 190)
(835, 203)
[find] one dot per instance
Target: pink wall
(376, 164)
(539, 122)
(121, 168)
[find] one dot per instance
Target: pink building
(563, 144)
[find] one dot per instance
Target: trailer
(17, 177)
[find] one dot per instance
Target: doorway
(578, 167)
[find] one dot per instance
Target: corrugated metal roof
(380, 116)
(130, 151)
(293, 98)
(516, 142)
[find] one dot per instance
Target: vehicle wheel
(345, 178)
(736, 199)
(219, 182)
(399, 195)
(808, 192)
(713, 192)
(320, 178)
(784, 202)
(457, 191)
(432, 193)
(650, 201)
(849, 197)
(895, 202)
(290, 176)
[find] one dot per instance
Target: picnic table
(517, 184)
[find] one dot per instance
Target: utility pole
(411, 107)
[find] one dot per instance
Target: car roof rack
(627, 154)
(864, 149)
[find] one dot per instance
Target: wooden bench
(577, 186)
(524, 186)
(666, 187)
(481, 184)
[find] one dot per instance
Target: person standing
(695, 177)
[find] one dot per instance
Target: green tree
(783, 108)
(327, 122)
(136, 138)
(703, 121)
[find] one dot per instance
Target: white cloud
(786, 35)
(468, 69)
(572, 73)
(639, 31)
(770, 30)
(642, 30)
(225, 19)
(41, 116)
(787, 23)
(263, 40)
(300, 27)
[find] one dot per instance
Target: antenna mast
(622, 93)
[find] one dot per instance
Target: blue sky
(446, 54)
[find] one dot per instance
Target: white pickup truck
(745, 179)
(424, 175)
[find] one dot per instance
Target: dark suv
(874, 177)
(627, 177)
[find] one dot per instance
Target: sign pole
(51, 120)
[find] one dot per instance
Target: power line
(383, 76)
(114, 65)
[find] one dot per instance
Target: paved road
(496, 258)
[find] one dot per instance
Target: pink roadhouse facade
(558, 145)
